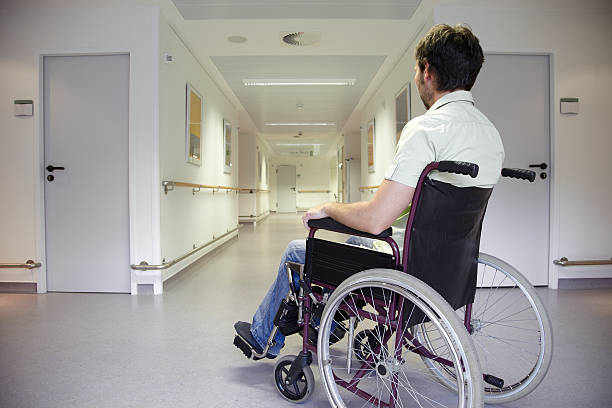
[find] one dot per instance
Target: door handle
(543, 166)
(50, 168)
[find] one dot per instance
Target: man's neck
(439, 94)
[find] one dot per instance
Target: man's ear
(427, 73)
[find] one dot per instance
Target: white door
(353, 180)
(86, 202)
(513, 92)
(285, 185)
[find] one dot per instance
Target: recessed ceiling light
(300, 124)
(237, 39)
(299, 144)
(298, 82)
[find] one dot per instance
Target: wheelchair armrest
(332, 225)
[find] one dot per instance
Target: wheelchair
(438, 324)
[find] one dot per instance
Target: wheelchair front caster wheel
(299, 391)
(367, 344)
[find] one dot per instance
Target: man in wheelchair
(448, 60)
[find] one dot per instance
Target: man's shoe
(245, 341)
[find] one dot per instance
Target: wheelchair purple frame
(416, 347)
(408, 340)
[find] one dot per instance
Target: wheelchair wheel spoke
(384, 369)
(511, 330)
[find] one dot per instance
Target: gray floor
(103, 350)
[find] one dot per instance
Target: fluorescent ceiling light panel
(299, 144)
(299, 82)
(300, 124)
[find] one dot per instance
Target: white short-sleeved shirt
(452, 129)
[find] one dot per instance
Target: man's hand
(314, 213)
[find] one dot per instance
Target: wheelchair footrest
(243, 346)
(245, 341)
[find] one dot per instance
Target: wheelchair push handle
(519, 174)
(459, 167)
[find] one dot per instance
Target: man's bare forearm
(355, 215)
(372, 216)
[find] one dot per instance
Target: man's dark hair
(454, 55)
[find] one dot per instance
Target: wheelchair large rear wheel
(386, 370)
(511, 331)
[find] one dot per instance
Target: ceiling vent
(301, 38)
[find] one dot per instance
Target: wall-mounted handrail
(314, 191)
(565, 262)
(29, 264)
(144, 266)
(253, 190)
(169, 186)
(362, 188)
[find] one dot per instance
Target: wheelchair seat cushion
(444, 239)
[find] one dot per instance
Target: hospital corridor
(413, 195)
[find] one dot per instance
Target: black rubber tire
(303, 387)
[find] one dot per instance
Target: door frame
(39, 156)
(553, 193)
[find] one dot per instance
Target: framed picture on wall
(227, 146)
(371, 132)
(193, 126)
(402, 110)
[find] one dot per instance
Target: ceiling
(319, 9)
(350, 46)
(298, 103)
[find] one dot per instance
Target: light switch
(569, 105)
(24, 107)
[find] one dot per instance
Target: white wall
(190, 219)
(333, 176)
(352, 145)
(577, 35)
(312, 173)
(263, 178)
(29, 32)
(254, 176)
(248, 174)
(381, 108)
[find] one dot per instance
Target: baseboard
(252, 218)
(193, 267)
(187, 262)
(18, 287)
(585, 283)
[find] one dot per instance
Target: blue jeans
(263, 320)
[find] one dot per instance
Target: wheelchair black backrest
(441, 243)
(442, 238)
